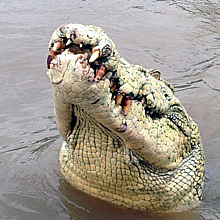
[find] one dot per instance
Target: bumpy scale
(127, 138)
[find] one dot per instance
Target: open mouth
(89, 59)
(90, 65)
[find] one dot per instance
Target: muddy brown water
(181, 38)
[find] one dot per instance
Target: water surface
(181, 38)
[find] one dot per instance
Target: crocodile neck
(91, 134)
(98, 163)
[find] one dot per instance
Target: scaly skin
(127, 138)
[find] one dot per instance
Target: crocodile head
(129, 102)
(103, 98)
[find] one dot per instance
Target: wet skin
(127, 138)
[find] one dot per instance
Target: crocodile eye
(166, 94)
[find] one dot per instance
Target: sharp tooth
(57, 46)
(68, 42)
(100, 73)
(126, 105)
(81, 45)
(118, 99)
(140, 92)
(143, 100)
(95, 56)
(50, 57)
(113, 88)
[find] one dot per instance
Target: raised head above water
(127, 138)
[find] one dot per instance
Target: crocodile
(127, 139)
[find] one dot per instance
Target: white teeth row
(57, 46)
(68, 42)
(95, 55)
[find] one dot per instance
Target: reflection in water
(181, 38)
